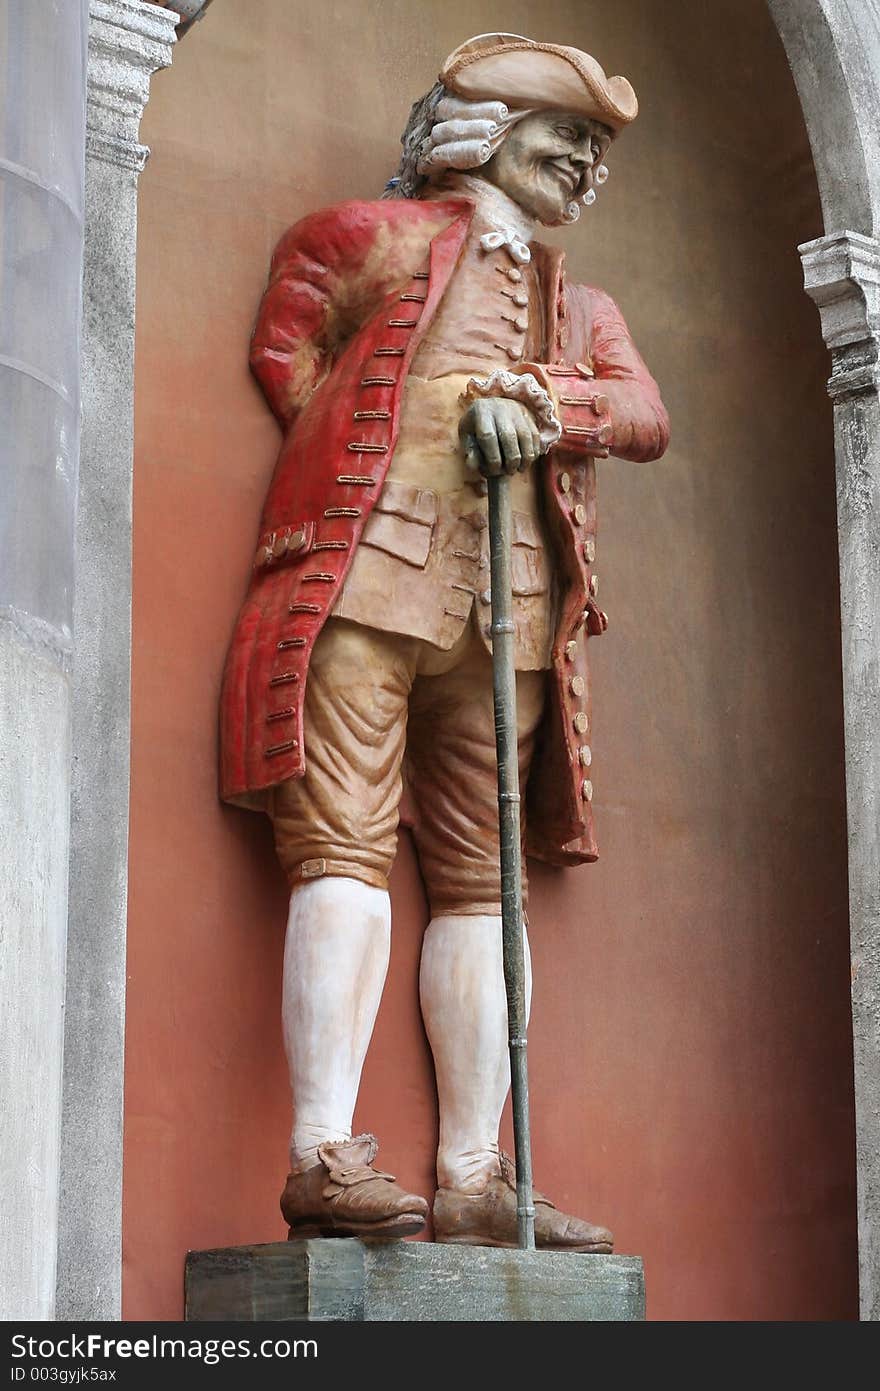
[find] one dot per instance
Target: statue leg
(336, 835)
(465, 1012)
(454, 785)
(335, 960)
(453, 778)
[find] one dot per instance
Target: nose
(581, 155)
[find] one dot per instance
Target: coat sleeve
(610, 403)
(306, 312)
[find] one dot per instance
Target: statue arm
(610, 404)
(304, 314)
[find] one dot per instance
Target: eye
(566, 132)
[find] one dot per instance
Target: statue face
(547, 161)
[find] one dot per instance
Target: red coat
(351, 291)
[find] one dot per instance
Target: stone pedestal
(361, 1281)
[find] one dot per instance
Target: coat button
(581, 723)
(589, 550)
(486, 596)
(564, 481)
(605, 434)
(584, 370)
(514, 354)
(514, 275)
(521, 301)
(296, 540)
(570, 650)
(313, 869)
(587, 790)
(521, 323)
(580, 514)
(594, 585)
(576, 685)
(600, 404)
(585, 754)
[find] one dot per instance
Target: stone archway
(833, 48)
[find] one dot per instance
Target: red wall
(690, 1045)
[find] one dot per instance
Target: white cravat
(509, 226)
(512, 243)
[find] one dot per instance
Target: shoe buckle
(349, 1175)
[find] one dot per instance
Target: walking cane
(504, 686)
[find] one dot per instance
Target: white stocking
(464, 1007)
(335, 961)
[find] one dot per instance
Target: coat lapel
(550, 267)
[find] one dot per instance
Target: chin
(551, 209)
(551, 215)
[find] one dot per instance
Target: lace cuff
(526, 389)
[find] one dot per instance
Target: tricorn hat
(521, 72)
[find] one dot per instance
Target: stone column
(42, 129)
(128, 41)
(842, 274)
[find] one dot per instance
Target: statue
(411, 347)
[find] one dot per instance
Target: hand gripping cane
(504, 686)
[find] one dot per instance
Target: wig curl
(445, 131)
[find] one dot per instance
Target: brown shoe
(488, 1218)
(343, 1195)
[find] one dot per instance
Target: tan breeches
(380, 706)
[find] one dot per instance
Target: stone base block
(349, 1280)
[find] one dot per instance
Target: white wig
(446, 131)
(465, 134)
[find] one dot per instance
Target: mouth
(566, 177)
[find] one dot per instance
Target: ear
(606, 136)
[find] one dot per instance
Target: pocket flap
(409, 501)
(526, 531)
(528, 560)
(398, 536)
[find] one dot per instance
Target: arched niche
(833, 48)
